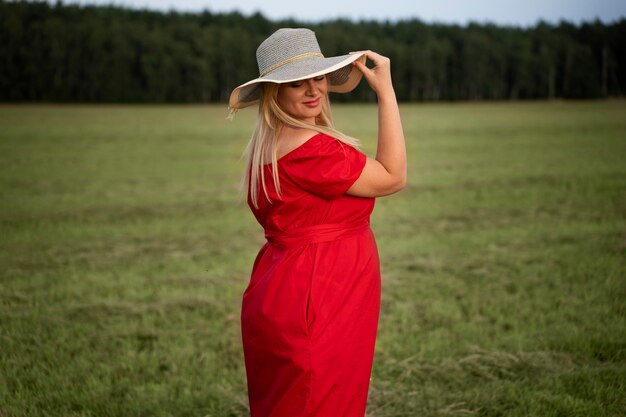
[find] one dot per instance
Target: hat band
(287, 61)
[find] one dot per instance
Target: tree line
(71, 53)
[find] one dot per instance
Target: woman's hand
(379, 76)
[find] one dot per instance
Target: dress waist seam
(316, 234)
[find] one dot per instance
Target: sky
(501, 12)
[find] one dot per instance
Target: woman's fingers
(381, 63)
(377, 59)
(379, 75)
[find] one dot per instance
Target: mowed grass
(125, 248)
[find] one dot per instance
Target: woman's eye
(320, 78)
(295, 85)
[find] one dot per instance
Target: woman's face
(303, 99)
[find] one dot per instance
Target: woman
(310, 312)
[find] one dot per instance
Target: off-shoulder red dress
(310, 312)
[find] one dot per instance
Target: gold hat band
(287, 61)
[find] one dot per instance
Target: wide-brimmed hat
(291, 55)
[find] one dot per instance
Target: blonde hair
(262, 149)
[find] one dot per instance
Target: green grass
(124, 250)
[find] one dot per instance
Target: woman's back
(313, 180)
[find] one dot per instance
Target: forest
(110, 54)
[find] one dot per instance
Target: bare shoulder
(291, 139)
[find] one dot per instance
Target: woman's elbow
(403, 183)
(378, 187)
(400, 184)
(397, 184)
(400, 180)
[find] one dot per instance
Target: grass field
(124, 250)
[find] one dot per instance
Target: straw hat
(291, 55)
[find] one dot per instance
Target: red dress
(310, 312)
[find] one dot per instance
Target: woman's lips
(312, 103)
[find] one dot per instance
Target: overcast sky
(503, 12)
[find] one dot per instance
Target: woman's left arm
(386, 174)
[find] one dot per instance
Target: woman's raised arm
(386, 174)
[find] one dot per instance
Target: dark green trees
(69, 53)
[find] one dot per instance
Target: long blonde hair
(262, 149)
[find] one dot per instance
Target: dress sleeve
(327, 168)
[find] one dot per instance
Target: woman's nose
(310, 87)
